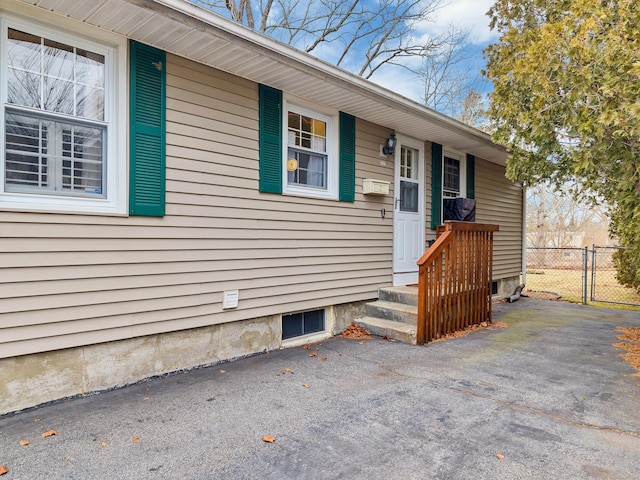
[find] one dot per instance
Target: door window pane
(408, 196)
(408, 162)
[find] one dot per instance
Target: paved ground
(549, 394)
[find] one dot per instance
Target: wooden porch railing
(454, 283)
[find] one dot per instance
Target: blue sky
(463, 13)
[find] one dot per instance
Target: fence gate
(577, 274)
(604, 286)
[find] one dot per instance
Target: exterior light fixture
(390, 145)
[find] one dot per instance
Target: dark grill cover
(462, 209)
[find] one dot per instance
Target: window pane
(53, 157)
(451, 178)
(90, 102)
(57, 60)
(82, 167)
(23, 88)
(306, 123)
(23, 51)
(408, 162)
(56, 77)
(25, 144)
(408, 196)
(319, 128)
(311, 171)
(58, 95)
(298, 324)
(294, 121)
(292, 326)
(89, 68)
(313, 321)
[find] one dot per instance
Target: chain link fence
(579, 275)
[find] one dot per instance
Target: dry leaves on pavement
(3, 470)
(49, 433)
(631, 343)
(471, 328)
(24, 442)
(355, 332)
(268, 439)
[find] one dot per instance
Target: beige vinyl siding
(499, 201)
(68, 280)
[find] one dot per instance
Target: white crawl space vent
(230, 299)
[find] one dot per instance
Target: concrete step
(394, 330)
(393, 311)
(405, 295)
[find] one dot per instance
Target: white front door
(408, 215)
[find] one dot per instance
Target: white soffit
(179, 27)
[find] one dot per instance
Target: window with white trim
(303, 323)
(310, 163)
(453, 185)
(57, 117)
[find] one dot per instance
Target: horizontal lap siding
(499, 201)
(69, 280)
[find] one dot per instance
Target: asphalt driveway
(548, 397)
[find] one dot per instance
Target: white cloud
(401, 81)
(466, 14)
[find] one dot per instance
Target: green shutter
(347, 158)
(147, 130)
(436, 185)
(471, 174)
(270, 139)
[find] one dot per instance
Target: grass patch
(567, 285)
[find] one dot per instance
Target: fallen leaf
(307, 347)
(268, 439)
(314, 354)
(223, 371)
(24, 442)
(3, 470)
(104, 444)
(500, 456)
(325, 358)
(49, 433)
(355, 331)
(287, 369)
(305, 385)
(146, 398)
(135, 439)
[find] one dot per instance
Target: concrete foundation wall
(507, 286)
(30, 380)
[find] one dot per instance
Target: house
(177, 191)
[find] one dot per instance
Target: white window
(59, 145)
(311, 144)
(453, 169)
